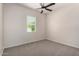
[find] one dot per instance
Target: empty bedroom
(39, 29)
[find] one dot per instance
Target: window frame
(31, 24)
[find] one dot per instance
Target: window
(31, 24)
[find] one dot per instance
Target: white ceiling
(54, 7)
(36, 6)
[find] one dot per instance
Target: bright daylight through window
(31, 24)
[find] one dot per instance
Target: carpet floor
(41, 48)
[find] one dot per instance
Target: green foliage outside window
(31, 24)
(32, 27)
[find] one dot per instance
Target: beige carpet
(42, 48)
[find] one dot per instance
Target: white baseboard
(64, 43)
(23, 43)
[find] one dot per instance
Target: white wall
(1, 29)
(15, 25)
(63, 25)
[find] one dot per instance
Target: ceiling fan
(45, 7)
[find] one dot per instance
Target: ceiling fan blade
(48, 9)
(50, 4)
(41, 11)
(41, 4)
